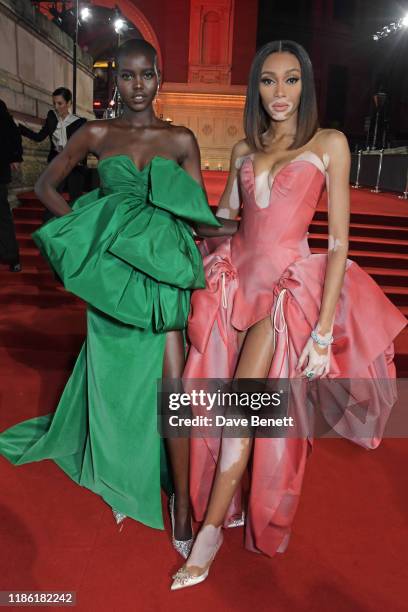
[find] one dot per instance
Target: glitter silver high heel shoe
(238, 522)
(183, 579)
(183, 547)
(118, 516)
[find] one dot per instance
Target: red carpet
(348, 550)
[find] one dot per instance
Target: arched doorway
(98, 37)
(134, 15)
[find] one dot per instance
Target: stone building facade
(35, 59)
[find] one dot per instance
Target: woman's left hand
(315, 359)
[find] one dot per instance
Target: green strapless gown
(126, 249)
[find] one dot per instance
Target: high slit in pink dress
(266, 270)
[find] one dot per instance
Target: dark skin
(141, 135)
(228, 228)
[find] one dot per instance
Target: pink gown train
(266, 269)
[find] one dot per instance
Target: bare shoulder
(97, 126)
(182, 135)
(240, 149)
(332, 141)
(183, 142)
(95, 132)
(101, 132)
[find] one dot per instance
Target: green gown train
(127, 249)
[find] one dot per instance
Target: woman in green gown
(127, 249)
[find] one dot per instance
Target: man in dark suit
(10, 158)
(59, 126)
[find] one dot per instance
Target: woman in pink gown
(272, 310)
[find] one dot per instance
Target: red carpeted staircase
(379, 244)
(42, 326)
(36, 284)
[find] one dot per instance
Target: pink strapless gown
(266, 269)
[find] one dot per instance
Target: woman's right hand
(228, 228)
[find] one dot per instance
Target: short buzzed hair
(133, 46)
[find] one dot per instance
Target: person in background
(10, 158)
(59, 126)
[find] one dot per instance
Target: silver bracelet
(321, 340)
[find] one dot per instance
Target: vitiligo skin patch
(326, 336)
(239, 161)
(263, 189)
(334, 243)
(280, 115)
(224, 213)
(232, 449)
(317, 363)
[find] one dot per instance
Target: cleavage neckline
(147, 165)
(272, 179)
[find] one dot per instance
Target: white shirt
(59, 136)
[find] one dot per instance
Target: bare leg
(178, 448)
(241, 339)
(254, 362)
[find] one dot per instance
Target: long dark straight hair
(257, 120)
